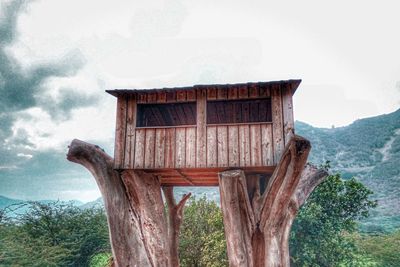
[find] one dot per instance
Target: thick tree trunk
(257, 223)
(140, 234)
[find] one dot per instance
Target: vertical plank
(211, 93)
(255, 145)
(191, 95)
(222, 140)
(160, 149)
(212, 146)
(152, 97)
(267, 145)
(161, 97)
(232, 93)
(180, 150)
(277, 121)
(139, 148)
(253, 90)
(171, 96)
(288, 121)
(190, 147)
(243, 91)
(149, 154)
(141, 97)
(120, 132)
(170, 148)
(181, 95)
(244, 145)
(222, 93)
(264, 90)
(201, 128)
(233, 146)
(130, 133)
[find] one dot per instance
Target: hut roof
(293, 84)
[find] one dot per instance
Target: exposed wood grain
(277, 121)
(222, 93)
(233, 146)
(120, 133)
(222, 146)
(244, 145)
(191, 95)
(233, 93)
(255, 146)
(266, 145)
(130, 134)
(243, 91)
(141, 98)
(264, 91)
(180, 150)
(211, 93)
(181, 95)
(139, 148)
(160, 149)
(152, 97)
(190, 147)
(288, 121)
(149, 154)
(201, 134)
(253, 91)
(161, 97)
(170, 148)
(212, 146)
(171, 96)
(257, 225)
(138, 229)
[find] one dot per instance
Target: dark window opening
(174, 114)
(239, 111)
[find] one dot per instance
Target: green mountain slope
(368, 149)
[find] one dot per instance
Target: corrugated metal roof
(285, 83)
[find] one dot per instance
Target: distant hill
(368, 149)
(13, 207)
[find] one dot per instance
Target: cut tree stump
(140, 233)
(258, 211)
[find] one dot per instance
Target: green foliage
(100, 260)
(383, 249)
(202, 241)
(319, 233)
(54, 235)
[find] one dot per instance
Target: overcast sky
(58, 56)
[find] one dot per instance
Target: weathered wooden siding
(202, 145)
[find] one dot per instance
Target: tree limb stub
(257, 226)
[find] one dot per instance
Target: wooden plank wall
(201, 146)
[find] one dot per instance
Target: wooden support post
(140, 234)
(257, 224)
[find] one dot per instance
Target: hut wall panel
(212, 146)
(120, 131)
(130, 133)
(149, 152)
(222, 146)
(190, 147)
(255, 145)
(180, 150)
(233, 146)
(139, 148)
(159, 160)
(169, 148)
(267, 145)
(277, 121)
(244, 145)
(201, 136)
(288, 121)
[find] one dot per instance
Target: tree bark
(257, 224)
(139, 232)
